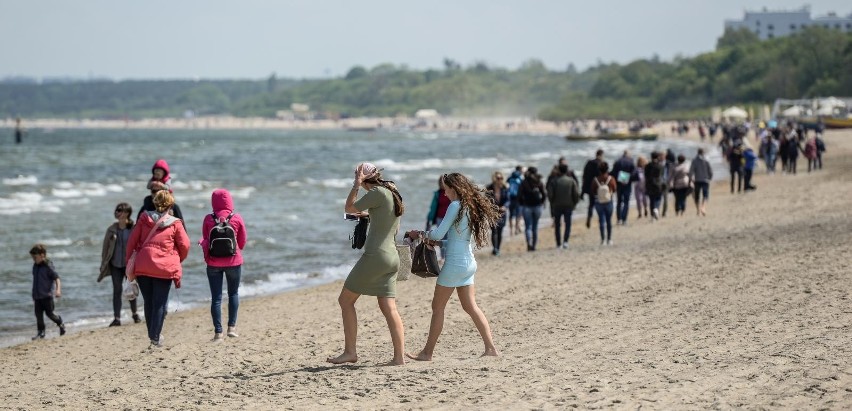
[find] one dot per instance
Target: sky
(251, 39)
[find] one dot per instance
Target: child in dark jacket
(46, 286)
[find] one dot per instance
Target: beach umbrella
(734, 112)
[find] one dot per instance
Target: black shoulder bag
(359, 235)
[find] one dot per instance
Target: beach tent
(794, 111)
(831, 102)
(426, 113)
(734, 112)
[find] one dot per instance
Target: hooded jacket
(162, 164)
(223, 205)
(161, 256)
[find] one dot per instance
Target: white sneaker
(609, 242)
(656, 214)
(232, 332)
(603, 242)
(564, 246)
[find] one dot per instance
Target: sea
(60, 187)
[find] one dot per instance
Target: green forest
(741, 70)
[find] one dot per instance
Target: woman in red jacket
(224, 258)
(161, 244)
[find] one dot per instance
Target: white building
(768, 24)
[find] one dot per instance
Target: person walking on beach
(375, 272)
(113, 260)
(499, 194)
(769, 148)
(792, 151)
(820, 144)
(161, 243)
(46, 287)
(654, 183)
(563, 195)
(668, 168)
(811, 153)
(590, 171)
(623, 170)
(604, 186)
(514, 182)
(19, 131)
(735, 165)
(679, 182)
(223, 237)
(639, 186)
(700, 174)
(470, 216)
(531, 197)
(749, 163)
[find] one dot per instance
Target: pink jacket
(223, 205)
(161, 256)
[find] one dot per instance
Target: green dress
(375, 272)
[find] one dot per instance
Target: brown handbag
(424, 262)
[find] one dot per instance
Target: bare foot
(419, 357)
(343, 358)
(491, 352)
(394, 362)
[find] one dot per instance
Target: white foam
(59, 255)
(244, 192)
(57, 242)
(279, 282)
(21, 180)
(333, 182)
(27, 203)
(449, 164)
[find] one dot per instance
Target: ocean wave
(448, 164)
(279, 282)
(332, 182)
(21, 180)
(59, 255)
(27, 203)
(57, 242)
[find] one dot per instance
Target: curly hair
(163, 200)
(398, 204)
(481, 211)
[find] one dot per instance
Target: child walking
(46, 285)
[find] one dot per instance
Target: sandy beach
(748, 307)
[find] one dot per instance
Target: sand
(748, 307)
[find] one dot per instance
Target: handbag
(424, 262)
(359, 235)
(130, 291)
(130, 268)
(404, 270)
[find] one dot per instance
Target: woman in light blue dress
(468, 222)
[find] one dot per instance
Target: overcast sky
(322, 38)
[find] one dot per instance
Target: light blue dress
(459, 264)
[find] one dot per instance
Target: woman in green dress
(375, 272)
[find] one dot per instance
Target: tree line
(742, 69)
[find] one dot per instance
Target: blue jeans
(531, 216)
(214, 276)
(155, 293)
(623, 206)
(655, 201)
(604, 211)
(559, 215)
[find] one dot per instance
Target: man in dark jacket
(590, 171)
(564, 195)
(622, 172)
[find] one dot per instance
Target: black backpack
(223, 238)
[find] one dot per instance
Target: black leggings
(497, 233)
(45, 306)
(117, 274)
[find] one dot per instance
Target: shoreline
(686, 312)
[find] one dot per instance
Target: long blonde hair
(481, 211)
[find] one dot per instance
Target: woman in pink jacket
(222, 241)
(157, 260)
